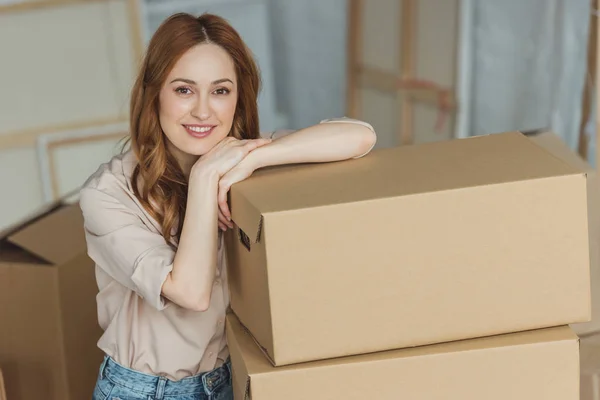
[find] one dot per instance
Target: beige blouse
(143, 330)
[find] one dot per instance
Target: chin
(198, 150)
(199, 147)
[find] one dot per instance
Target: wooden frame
(27, 137)
(407, 69)
(596, 69)
(47, 143)
(407, 87)
(354, 59)
(589, 80)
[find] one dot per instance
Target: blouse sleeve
(352, 121)
(120, 244)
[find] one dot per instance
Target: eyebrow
(191, 82)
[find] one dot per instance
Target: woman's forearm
(191, 280)
(318, 143)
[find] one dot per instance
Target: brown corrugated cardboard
(49, 324)
(541, 364)
(556, 146)
(409, 246)
(590, 367)
(2, 388)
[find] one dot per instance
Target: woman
(154, 215)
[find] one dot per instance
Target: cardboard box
(590, 367)
(409, 246)
(542, 364)
(2, 387)
(49, 320)
(556, 146)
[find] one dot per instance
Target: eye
(222, 91)
(183, 90)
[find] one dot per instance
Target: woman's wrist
(204, 175)
(258, 158)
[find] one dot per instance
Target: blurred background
(417, 70)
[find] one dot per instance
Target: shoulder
(106, 197)
(111, 173)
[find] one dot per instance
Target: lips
(199, 131)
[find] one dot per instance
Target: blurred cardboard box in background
(49, 319)
(590, 367)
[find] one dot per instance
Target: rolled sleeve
(279, 133)
(356, 122)
(124, 247)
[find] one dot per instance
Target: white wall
(309, 51)
(53, 84)
(528, 65)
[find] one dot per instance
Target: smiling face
(197, 102)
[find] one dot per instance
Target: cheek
(225, 108)
(172, 108)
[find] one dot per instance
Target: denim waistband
(160, 386)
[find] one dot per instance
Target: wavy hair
(158, 181)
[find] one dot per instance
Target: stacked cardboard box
(590, 331)
(442, 270)
(559, 148)
(48, 317)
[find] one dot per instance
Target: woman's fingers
(223, 222)
(251, 144)
(222, 201)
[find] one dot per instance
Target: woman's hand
(225, 155)
(220, 160)
(241, 171)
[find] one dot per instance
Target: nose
(201, 109)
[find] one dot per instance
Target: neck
(185, 161)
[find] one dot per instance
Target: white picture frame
(48, 143)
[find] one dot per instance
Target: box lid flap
(401, 171)
(247, 218)
(30, 218)
(56, 236)
(553, 143)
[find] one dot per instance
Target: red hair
(158, 181)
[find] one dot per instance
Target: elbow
(191, 297)
(200, 305)
(367, 141)
(199, 302)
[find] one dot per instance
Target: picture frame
(48, 144)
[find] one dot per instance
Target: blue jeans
(116, 382)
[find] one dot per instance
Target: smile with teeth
(199, 129)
